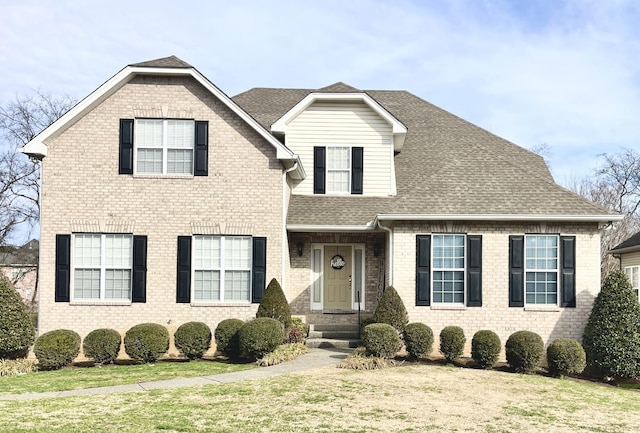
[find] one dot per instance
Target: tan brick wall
(495, 313)
(82, 190)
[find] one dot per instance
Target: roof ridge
(163, 62)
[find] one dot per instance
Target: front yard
(409, 398)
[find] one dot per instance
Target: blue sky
(561, 73)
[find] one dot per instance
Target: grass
(75, 377)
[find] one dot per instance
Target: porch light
(300, 248)
(376, 249)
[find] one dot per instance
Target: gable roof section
(629, 245)
(449, 169)
(169, 66)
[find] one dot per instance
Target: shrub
(485, 348)
(381, 340)
(17, 332)
(56, 349)
(364, 322)
(102, 345)
(274, 304)
(283, 353)
(146, 342)
(192, 339)
(297, 331)
(391, 310)
(566, 356)
(358, 360)
(260, 336)
(452, 341)
(612, 336)
(226, 335)
(524, 350)
(14, 367)
(418, 338)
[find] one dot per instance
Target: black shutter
(63, 267)
(568, 271)
(139, 280)
(183, 284)
(474, 271)
(319, 167)
(516, 271)
(259, 271)
(125, 165)
(356, 170)
(201, 149)
(423, 270)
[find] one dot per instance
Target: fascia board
(500, 217)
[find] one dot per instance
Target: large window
(448, 268)
(164, 146)
(632, 273)
(541, 269)
(102, 265)
(338, 170)
(222, 268)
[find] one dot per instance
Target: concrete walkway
(316, 358)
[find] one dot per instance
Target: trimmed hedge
(485, 348)
(566, 356)
(524, 350)
(381, 340)
(391, 310)
(452, 341)
(56, 349)
(102, 345)
(17, 332)
(274, 304)
(146, 342)
(260, 336)
(193, 339)
(226, 336)
(418, 339)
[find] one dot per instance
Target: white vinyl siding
(344, 124)
(633, 273)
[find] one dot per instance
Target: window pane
(237, 253)
(149, 161)
(338, 181)
(179, 161)
(207, 285)
(338, 158)
(118, 251)
(118, 284)
(206, 252)
(86, 251)
(180, 133)
(542, 287)
(86, 284)
(236, 285)
(448, 286)
(149, 133)
(541, 252)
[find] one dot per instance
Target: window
(164, 146)
(632, 273)
(102, 267)
(222, 268)
(448, 269)
(541, 269)
(338, 170)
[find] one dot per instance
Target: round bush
(226, 336)
(452, 341)
(260, 336)
(418, 338)
(102, 345)
(524, 350)
(192, 339)
(17, 332)
(146, 342)
(612, 336)
(56, 349)
(566, 356)
(391, 310)
(381, 340)
(485, 348)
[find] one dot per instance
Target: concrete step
(340, 335)
(332, 342)
(334, 327)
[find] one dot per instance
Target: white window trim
(463, 269)
(103, 269)
(350, 170)
(527, 270)
(165, 149)
(631, 269)
(222, 271)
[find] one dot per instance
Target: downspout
(283, 282)
(390, 231)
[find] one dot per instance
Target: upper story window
(541, 269)
(632, 273)
(175, 147)
(337, 170)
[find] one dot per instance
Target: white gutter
(283, 280)
(311, 228)
(390, 231)
(500, 217)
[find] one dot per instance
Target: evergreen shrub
(260, 336)
(102, 345)
(56, 349)
(226, 336)
(418, 339)
(452, 341)
(193, 339)
(146, 342)
(274, 304)
(17, 332)
(524, 350)
(391, 310)
(566, 356)
(381, 340)
(485, 348)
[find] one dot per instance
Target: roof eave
(313, 228)
(500, 217)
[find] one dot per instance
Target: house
(628, 252)
(20, 266)
(164, 200)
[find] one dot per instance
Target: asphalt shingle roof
(633, 241)
(164, 62)
(447, 166)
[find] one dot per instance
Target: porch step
(333, 335)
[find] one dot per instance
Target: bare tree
(20, 121)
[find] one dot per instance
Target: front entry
(337, 277)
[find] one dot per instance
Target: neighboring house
(20, 266)
(628, 253)
(164, 200)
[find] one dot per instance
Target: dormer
(347, 137)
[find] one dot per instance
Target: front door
(337, 277)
